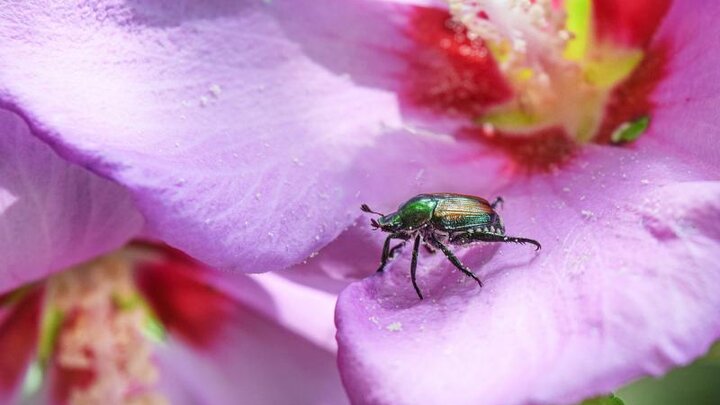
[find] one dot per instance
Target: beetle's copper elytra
(438, 220)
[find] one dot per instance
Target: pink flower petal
(690, 94)
(226, 121)
(53, 214)
(259, 362)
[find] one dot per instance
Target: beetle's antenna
(365, 208)
(374, 223)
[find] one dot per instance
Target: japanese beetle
(439, 220)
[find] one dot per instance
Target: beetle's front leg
(395, 249)
(386, 249)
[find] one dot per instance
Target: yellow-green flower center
(560, 74)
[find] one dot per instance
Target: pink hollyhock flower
(628, 216)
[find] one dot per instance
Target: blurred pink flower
(150, 325)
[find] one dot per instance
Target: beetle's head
(386, 223)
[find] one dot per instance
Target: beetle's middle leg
(413, 266)
(455, 261)
(386, 249)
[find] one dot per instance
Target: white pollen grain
(394, 327)
(215, 90)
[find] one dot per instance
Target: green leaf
(696, 384)
(608, 400)
(630, 131)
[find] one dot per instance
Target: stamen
(525, 31)
(560, 78)
(103, 336)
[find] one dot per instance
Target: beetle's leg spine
(522, 241)
(413, 266)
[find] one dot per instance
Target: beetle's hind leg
(507, 239)
(455, 261)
